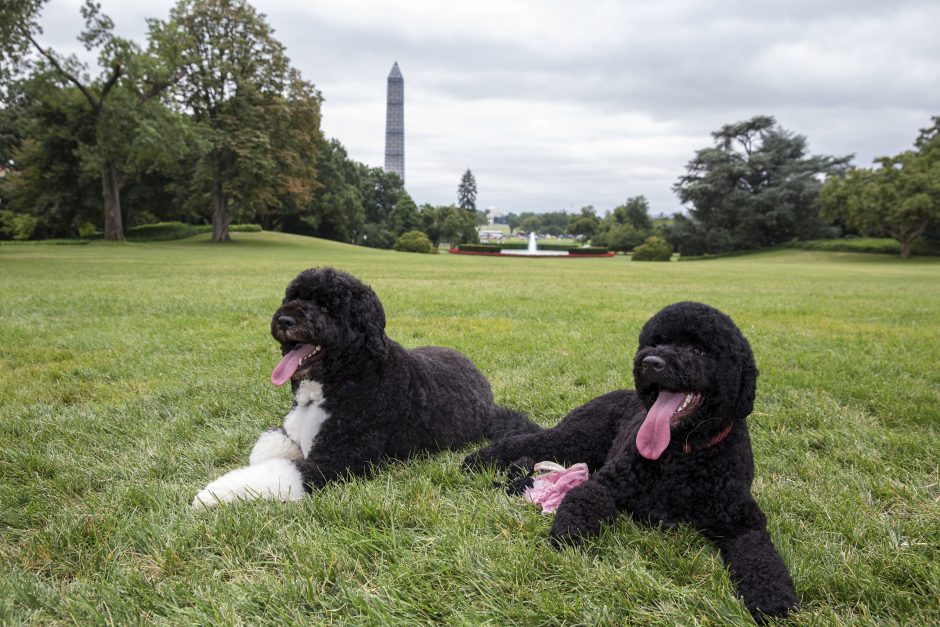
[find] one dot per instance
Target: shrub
(24, 226)
(414, 242)
(87, 230)
(654, 248)
(624, 237)
(17, 226)
(6, 224)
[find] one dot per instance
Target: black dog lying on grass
(360, 399)
(675, 451)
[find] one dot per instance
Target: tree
(585, 224)
(19, 24)
(755, 187)
(257, 119)
(530, 224)
(635, 212)
(448, 223)
(335, 209)
(899, 198)
(380, 192)
(513, 221)
(467, 192)
(129, 78)
(404, 216)
(46, 177)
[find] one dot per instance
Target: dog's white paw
(274, 444)
(271, 479)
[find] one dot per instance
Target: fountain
(532, 250)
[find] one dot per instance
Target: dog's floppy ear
(747, 389)
(369, 315)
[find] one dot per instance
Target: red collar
(688, 448)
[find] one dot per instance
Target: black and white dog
(360, 399)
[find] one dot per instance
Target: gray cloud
(555, 105)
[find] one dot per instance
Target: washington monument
(395, 124)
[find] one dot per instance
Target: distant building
(395, 123)
(493, 216)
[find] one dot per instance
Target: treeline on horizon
(208, 123)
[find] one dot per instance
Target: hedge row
(165, 231)
(878, 245)
(594, 250)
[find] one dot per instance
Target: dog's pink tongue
(653, 436)
(289, 364)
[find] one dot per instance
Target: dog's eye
(698, 350)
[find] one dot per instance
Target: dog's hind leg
(272, 479)
(584, 435)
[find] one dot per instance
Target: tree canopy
(257, 119)
(117, 98)
(899, 197)
(756, 187)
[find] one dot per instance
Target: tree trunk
(111, 191)
(905, 247)
(220, 219)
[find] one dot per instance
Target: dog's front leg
(582, 512)
(272, 479)
(759, 573)
(274, 444)
(329, 461)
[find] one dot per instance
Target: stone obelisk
(395, 124)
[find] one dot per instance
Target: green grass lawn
(132, 375)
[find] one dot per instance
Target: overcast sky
(556, 105)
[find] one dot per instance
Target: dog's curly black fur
(383, 402)
(702, 477)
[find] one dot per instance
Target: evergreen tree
(467, 192)
(755, 187)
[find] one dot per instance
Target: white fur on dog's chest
(303, 423)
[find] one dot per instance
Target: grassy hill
(131, 375)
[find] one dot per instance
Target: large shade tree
(117, 97)
(258, 121)
(899, 197)
(756, 187)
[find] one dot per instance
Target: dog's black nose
(285, 322)
(652, 362)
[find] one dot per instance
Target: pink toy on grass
(549, 490)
